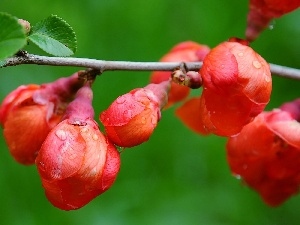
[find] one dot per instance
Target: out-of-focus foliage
(178, 177)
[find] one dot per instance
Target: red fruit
(183, 52)
(131, 118)
(76, 161)
(261, 12)
(28, 114)
(266, 155)
(237, 86)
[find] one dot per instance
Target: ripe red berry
(261, 12)
(28, 114)
(76, 161)
(266, 154)
(187, 51)
(131, 118)
(236, 87)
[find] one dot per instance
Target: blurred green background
(178, 177)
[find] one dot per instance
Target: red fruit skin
(261, 12)
(76, 164)
(28, 113)
(131, 118)
(237, 86)
(187, 51)
(189, 113)
(26, 123)
(14, 98)
(266, 158)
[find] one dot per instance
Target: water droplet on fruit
(153, 120)
(95, 137)
(237, 176)
(256, 64)
(61, 134)
(272, 24)
(267, 78)
(240, 54)
(143, 120)
(72, 156)
(121, 100)
(55, 173)
(128, 114)
(84, 129)
(41, 165)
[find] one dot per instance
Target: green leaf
(12, 35)
(55, 36)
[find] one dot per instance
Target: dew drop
(121, 100)
(55, 173)
(256, 64)
(72, 156)
(93, 172)
(267, 79)
(272, 25)
(240, 54)
(120, 149)
(61, 134)
(128, 113)
(84, 130)
(153, 120)
(143, 120)
(95, 137)
(237, 176)
(42, 164)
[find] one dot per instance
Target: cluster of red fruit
(263, 148)
(52, 125)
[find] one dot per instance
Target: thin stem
(104, 65)
(284, 71)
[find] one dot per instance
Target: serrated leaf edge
(73, 50)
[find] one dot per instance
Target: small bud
(131, 118)
(191, 79)
(77, 162)
(187, 51)
(28, 114)
(25, 24)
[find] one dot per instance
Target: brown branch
(104, 65)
